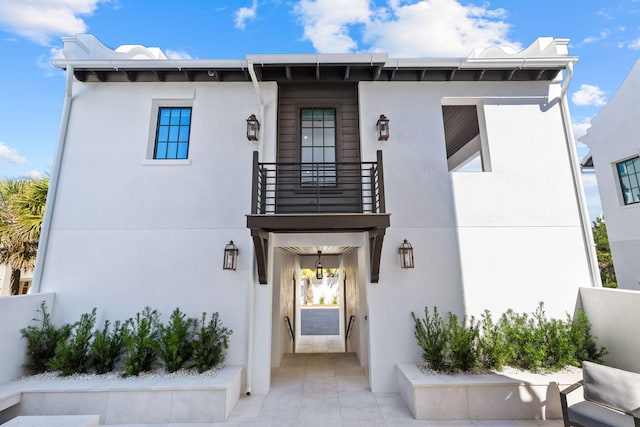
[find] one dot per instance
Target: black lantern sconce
(406, 255)
(319, 275)
(253, 126)
(230, 256)
(383, 128)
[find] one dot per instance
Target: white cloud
(245, 14)
(326, 22)
(34, 174)
(45, 62)
(589, 95)
(11, 154)
(177, 54)
(405, 28)
(438, 28)
(635, 45)
(40, 20)
(603, 35)
(580, 130)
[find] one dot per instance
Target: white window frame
(156, 104)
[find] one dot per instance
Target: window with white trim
(629, 176)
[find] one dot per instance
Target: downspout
(252, 284)
(589, 244)
(53, 185)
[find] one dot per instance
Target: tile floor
(320, 344)
(331, 389)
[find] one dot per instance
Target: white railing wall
(17, 312)
(615, 318)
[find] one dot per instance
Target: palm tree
(22, 203)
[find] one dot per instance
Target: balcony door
(318, 149)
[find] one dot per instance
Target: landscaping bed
(148, 399)
(513, 395)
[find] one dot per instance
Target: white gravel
(118, 375)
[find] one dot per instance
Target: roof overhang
(94, 62)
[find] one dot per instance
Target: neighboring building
(5, 281)
(615, 156)
(155, 174)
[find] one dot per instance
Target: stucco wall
(508, 238)
(128, 232)
(613, 137)
(614, 318)
(17, 312)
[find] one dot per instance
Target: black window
(318, 146)
(629, 174)
(172, 134)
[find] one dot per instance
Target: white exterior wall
(18, 312)
(613, 137)
(614, 318)
(525, 211)
(128, 232)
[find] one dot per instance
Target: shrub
(140, 342)
(493, 348)
(585, 344)
(432, 338)
(175, 340)
(462, 342)
(106, 348)
(527, 342)
(72, 355)
(211, 343)
(42, 341)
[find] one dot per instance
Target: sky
(605, 35)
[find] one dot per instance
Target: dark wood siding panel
(342, 97)
(346, 197)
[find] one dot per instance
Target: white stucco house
(615, 156)
(26, 276)
(158, 168)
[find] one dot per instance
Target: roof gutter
(53, 185)
(587, 235)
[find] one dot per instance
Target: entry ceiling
(313, 250)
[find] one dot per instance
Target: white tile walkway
(320, 344)
(331, 390)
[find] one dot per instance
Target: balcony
(318, 198)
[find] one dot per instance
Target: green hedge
(530, 342)
(139, 344)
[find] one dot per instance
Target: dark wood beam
(376, 238)
(160, 75)
(261, 245)
(287, 72)
(130, 75)
(317, 71)
(347, 71)
(100, 75)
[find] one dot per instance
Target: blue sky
(605, 35)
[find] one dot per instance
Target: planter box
(482, 397)
(149, 400)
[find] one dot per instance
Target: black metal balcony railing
(341, 187)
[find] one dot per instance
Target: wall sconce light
(319, 267)
(253, 126)
(383, 128)
(406, 255)
(230, 256)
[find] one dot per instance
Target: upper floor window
(318, 146)
(629, 174)
(172, 133)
